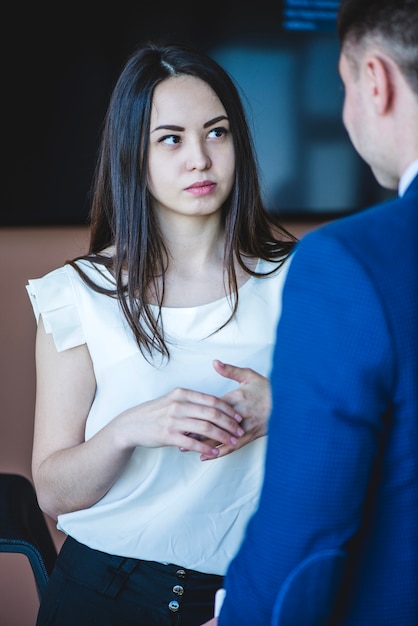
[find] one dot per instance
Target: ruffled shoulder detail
(53, 297)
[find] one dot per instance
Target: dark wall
(63, 63)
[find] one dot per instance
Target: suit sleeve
(330, 392)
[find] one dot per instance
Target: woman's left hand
(252, 400)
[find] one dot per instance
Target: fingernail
(233, 440)
(238, 417)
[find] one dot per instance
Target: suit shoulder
(390, 228)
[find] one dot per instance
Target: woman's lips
(202, 189)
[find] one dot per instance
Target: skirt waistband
(109, 573)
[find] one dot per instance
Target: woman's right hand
(183, 418)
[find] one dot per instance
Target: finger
(200, 419)
(210, 442)
(207, 447)
(206, 401)
(221, 451)
(226, 449)
(233, 372)
(225, 431)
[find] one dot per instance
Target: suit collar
(408, 177)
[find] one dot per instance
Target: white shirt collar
(407, 177)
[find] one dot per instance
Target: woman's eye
(218, 132)
(170, 140)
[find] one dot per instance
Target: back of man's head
(391, 24)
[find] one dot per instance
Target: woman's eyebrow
(215, 120)
(168, 127)
(211, 122)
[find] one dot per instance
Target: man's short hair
(391, 24)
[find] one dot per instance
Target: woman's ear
(378, 74)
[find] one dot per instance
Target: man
(335, 538)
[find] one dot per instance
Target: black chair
(23, 527)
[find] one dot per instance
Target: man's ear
(379, 82)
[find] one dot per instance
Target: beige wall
(28, 253)
(24, 253)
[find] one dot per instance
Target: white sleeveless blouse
(166, 505)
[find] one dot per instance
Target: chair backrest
(23, 527)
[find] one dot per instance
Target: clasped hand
(198, 422)
(251, 402)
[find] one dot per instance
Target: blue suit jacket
(335, 538)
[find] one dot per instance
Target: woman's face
(191, 161)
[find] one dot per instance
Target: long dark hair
(122, 214)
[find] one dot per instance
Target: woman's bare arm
(70, 473)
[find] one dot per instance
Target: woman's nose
(198, 157)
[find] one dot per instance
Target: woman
(184, 273)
